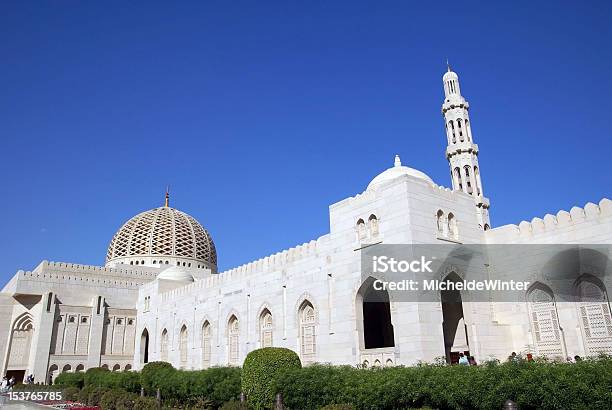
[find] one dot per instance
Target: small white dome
(397, 171)
(175, 273)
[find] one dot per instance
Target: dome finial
(398, 161)
(448, 65)
(167, 203)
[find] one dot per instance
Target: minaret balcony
(460, 148)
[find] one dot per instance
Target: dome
(397, 171)
(175, 273)
(163, 236)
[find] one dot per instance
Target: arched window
(458, 178)
(116, 368)
(373, 225)
(468, 131)
(468, 182)
(452, 226)
(183, 338)
(440, 222)
(478, 182)
(544, 321)
(487, 227)
(128, 367)
(79, 368)
(460, 130)
(164, 346)
(233, 334)
(452, 128)
(66, 368)
(361, 229)
(206, 344)
(265, 328)
(21, 342)
(308, 342)
(594, 313)
(144, 346)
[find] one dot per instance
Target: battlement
(269, 263)
(561, 220)
(75, 268)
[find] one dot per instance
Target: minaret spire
(462, 152)
(167, 203)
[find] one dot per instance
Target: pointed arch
(21, 341)
(144, 346)
(233, 340)
(544, 320)
(206, 343)
(361, 229)
(594, 315)
(440, 222)
(308, 337)
(183, 345)
(373, 314)
(266, 328)
(164, 345)
(373, 221)
(452, 226)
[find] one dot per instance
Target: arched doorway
(453, 324)
(144, 347)
(19, 348)
(374, 317)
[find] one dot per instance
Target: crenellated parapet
(275, 262)
(75, 268)
(562, 220)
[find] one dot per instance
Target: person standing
(463, 360)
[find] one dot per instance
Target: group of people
(7, 384)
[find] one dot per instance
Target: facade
(160, 296)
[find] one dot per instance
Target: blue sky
(262, 114)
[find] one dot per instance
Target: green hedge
(260, 371)
(70, 379)
(587, 384)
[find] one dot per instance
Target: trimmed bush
(154, 375)
(587, 384)
(70, 380)
(234, 405)
(261, 369)
(71, 393)
(118, 399)
(94, 376)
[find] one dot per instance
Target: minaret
(462, 152)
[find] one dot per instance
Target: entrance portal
(453, 325)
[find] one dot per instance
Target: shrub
(338, 407)
(94, 376)
(83, 395)
(145, 403)
(71, 393)
(118, 399)
(95, 396)
(260, 371)
(234, 405)
(70, 379)
(153, 375)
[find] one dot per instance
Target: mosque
(159, 295)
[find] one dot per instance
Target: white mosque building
(160, 296)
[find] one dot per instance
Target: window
(440, 222)
(373, 225)
(183, 345)
(164, 346)
(233, 335)
(452, 226)
(206, 344)
(265, 328)
(308, 341)
(361, 229)
(544, 321)
(71, 319)
(594, 315)
(119, 321)
(84, 319)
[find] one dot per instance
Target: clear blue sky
(262, 114)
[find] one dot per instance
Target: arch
(544, 320)
(183, 341)
(104, 366)
(376, 363)
(233, 340)
(453, 323)
(468, 130)
(468, 183)
(116, 367)
(373, 220)
(373, 310)
(594, 315)
(127, 367)
(308, 342)
(478, 182)
(452, 128)
(458, 178)
(51, 373)
(66, 368)
(20, 343)
(79, 368)
(440, 222)
(361, 229)
(206, 343)
(452, 226)
(461, 138)
(266, 328)
(389, 363)
(487, 227)
(144, 346)
(164, 345)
